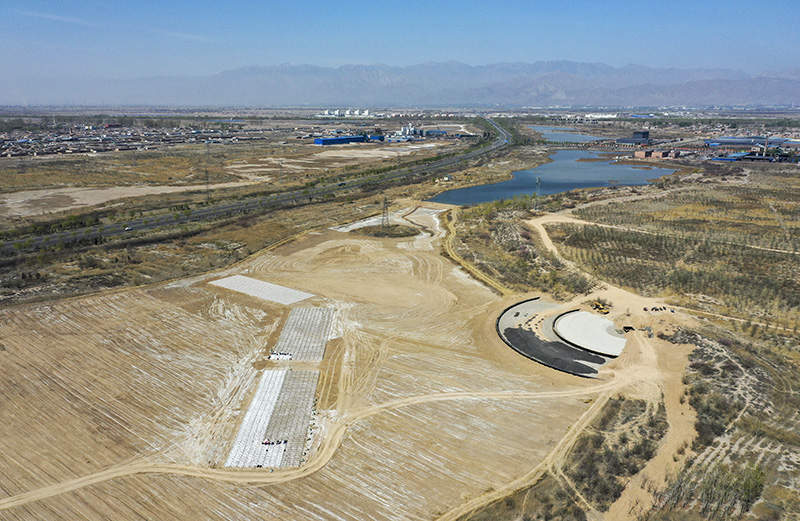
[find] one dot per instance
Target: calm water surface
(563, 174)
(557, 134)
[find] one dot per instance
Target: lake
(563, 174)
(557, 134)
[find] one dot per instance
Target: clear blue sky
(121, 39)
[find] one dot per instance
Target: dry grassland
(125, 404)
(183, 164)
(44, 186)
(728, 248)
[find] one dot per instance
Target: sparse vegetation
(493, 237)
(747, 425)
(177, 252)
(623, 439)
(391, 231)
(618, 444)
(715, 491)
(729, 249)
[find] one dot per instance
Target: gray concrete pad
(590, 332)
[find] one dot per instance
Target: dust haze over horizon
(45, 43)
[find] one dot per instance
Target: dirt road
(416, 385)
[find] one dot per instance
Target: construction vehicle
(599, 307)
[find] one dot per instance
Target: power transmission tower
(385, 214)
(538, 187)
(208, 193)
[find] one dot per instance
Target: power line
(385, 214)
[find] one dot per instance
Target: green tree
(750, 484)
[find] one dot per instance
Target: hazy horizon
(128, 40)
(104, 52)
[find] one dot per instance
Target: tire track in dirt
(333, 431)
(334, 426)
(553, 460)
(641, 376)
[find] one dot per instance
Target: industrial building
(657, 154)
(745, 141)
(731, 157)
(641, 137)
(343, 140)
(340, 140)
(751, 156)
(357, 113)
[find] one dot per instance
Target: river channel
(565, 172)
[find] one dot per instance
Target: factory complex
(405, 134)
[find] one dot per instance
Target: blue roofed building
(339, 140)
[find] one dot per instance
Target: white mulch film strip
(291, 419)
(248, 450)
(263, 290)
(305, 334)
(281, 412)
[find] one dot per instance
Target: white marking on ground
(263, 290)
(306, 333)
(591, 332)
(248, 449)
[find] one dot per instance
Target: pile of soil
(393, 231)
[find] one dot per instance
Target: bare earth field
(127, 403)
(51, 185)
(36, 202)
(309, 160)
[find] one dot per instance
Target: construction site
(369, 354)
(337, 376)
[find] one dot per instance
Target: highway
(104, 232)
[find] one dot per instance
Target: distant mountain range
(446, 84)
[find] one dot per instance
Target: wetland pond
(568, 170)
(557, 134)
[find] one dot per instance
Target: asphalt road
(245, 205)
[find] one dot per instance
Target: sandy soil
(38, 202)
(125, 404)
(380, 153)
(266, 168)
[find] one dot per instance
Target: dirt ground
(54, 200)
(314, 161)
(273, 166)
(126, 403)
